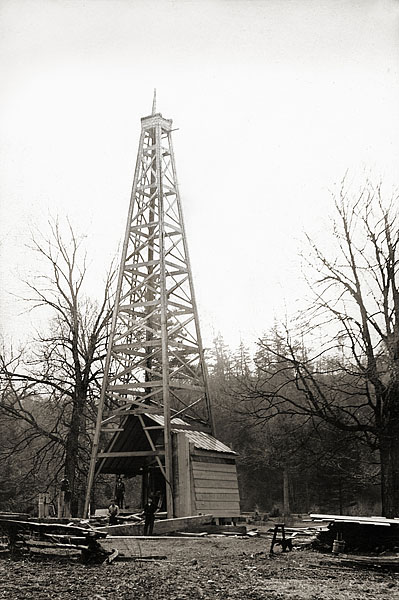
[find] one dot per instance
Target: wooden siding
(215, 488)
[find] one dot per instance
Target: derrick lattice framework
(155, 361)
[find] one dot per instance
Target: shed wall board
(214, 495)
(215, 457)
(217, 505)
(214, 483)
(215, 486)
(210, 466)
(218, 476)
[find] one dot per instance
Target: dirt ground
(239, 568)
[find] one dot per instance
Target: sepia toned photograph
(199, 299)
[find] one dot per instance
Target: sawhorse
(286, 543)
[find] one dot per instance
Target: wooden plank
(139, 353)
(124, 347)
(146, 263)
(131, 413)
(111, 429)
(129, 454)
(366, 520)
(209, 506)
(217, 490)
(160, 527)
(169, 263)
(205, 466)
(226, 513)
(211, 483)
(139, 304)
(130, 403)
(123, 388)
(177, 345)
(175, 383)
(212, 475)
(53, 545)
(230, 496)
(150, 224)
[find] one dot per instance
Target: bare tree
(351, 378)
(61, 370)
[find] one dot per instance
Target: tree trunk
(389, 455)
(72, 448)
(340, 496)
(286, 493)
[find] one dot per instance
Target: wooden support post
(183, 507)
(164, 336)
(100, 408)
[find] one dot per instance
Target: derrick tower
(155, 360)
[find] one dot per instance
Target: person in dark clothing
(113, 512)
(157, 500)
(64, 499)
(64, 486)
(119, 491)
(149, 511)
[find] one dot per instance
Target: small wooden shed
(204, 469)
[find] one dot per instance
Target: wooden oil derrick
(155, 361)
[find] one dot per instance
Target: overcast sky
(273, 100)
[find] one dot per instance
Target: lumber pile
(368, 534)
(52, 537)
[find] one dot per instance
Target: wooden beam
(130, 454)
(134, 412)
(183, 505)
(111, 429)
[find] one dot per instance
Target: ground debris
(224, 569)
(384, 560)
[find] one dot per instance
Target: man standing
(119, 491)
(149, 511)
(64, 499)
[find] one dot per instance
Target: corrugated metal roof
(159, 420)
(201, 440)
(204, 441)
